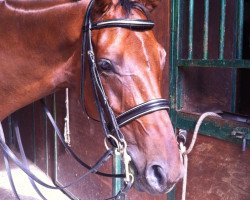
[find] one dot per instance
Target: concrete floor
(23, 185)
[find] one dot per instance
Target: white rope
(185, 163)
(185, 151)
(66, 119)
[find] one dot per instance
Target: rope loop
(197, 127)
(184, 152)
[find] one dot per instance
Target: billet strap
(124, 23)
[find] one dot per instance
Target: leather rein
(110, 123)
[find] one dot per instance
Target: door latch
(241, 133)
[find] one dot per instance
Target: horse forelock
(128, 5)
(103, 6)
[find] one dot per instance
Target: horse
(40, 53)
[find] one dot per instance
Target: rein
(111, 124)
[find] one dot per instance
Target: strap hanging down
(7, 165)
(69, 150)
(12, 156)
(25, 161)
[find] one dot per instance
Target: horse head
(130, 64)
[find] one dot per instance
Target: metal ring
(114, 139)
(132, 178)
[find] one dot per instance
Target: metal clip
(122, 150)
(241, 133)
(182, 136)
(129, 179)
(116, 142)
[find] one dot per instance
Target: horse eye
(105, 65)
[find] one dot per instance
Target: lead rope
(185, 151)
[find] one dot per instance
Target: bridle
(105, 110)
(111, 124)
(112, 128)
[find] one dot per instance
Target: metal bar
(239, 47)
(179, 21)
(206, 27)
(215, 127)
(222, 29)
(215, 63)
(117, 169)
(175, 46)
(179, 53)
(191, 29)
(179, 92)
(240, 23)
(171, 195)
(175, 54)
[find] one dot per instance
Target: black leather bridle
(105, 110)
(110, 123)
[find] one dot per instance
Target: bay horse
(40, 51)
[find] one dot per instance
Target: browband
(124, 23)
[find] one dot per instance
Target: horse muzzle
(155, 178)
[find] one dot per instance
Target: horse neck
(40, 54)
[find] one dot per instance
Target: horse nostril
(159, 174)
(156, 177)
